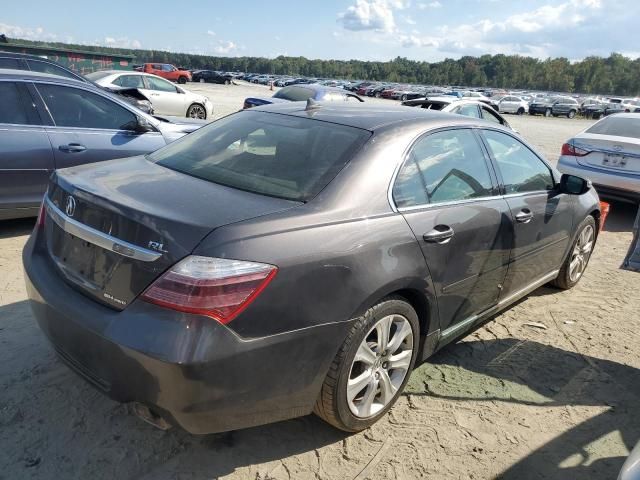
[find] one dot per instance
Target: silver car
(512, 104)
(49, 122)
(608, 154)
(631, 468)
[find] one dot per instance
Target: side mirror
(139, 125)
(574, 185)
(179, 90)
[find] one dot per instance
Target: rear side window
(44, 67)
(13, 107)
(12, 63)
(280, 156)
(490, 116)
(522, 171)
(469, 111)
(295, 94)
(75, 107)
(442, 167)
(130, 81)
(617, 126)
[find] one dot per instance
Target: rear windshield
(295, 94)
(618, 126)
(270, 154)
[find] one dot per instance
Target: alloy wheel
(197, 111)
(380, 366)
(581, 253)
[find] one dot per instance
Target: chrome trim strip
(460, 326)
(97, 237)
(427, 206)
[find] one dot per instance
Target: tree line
(615, 74)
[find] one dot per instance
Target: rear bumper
(616, 186)
(191, 370)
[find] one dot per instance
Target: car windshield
(269, 154)
(295, 94)
(617, 126)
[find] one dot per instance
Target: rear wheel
(547, 112)
(182, 80)
(197, 111)
(371, 368)
(520, 111)
(579, 255)
(571, 114)
(227, 82)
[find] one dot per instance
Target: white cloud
(226, 47)
(27, 33)
(434, 4)
(211, 33)
(408, 20)
(120, 42)
(374, 15)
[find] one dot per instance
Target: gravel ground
(509, 401)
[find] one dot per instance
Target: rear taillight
(569, 149)
(216, 287)
(42, 214)
(605, 208)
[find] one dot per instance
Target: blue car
(302, 93)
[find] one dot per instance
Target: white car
(608, 154)
(512, 104)
(166, 97)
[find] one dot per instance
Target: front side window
(269, 154)
(442, 167)
(44, 67)
(13, 109)
(469, 111)
(161, 85)
(522, 171)
(167, 68)
(75, 107)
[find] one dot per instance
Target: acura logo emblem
(70, 207)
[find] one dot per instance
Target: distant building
(79, 61)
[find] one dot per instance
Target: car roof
(128, 72)
(7, 73)
(6, 54)
(367, 116)
(317, 87)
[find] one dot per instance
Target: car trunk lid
(113, 228)
(611, 153)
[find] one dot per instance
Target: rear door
(88, 127)
(446, 192)
(26, 159)
(542, 217)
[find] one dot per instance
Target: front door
(542, 217)
(164, 97)
(447, 195)
(26, 159)
(91, 128)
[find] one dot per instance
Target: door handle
(440, 234)
(72, 148)
(524, 216)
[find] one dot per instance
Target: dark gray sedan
(296, 258)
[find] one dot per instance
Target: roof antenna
(312, 105)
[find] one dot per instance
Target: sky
(428, 30)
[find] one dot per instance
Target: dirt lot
(509, 401)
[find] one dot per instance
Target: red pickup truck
(165, 70)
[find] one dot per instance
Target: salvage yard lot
(549, 389)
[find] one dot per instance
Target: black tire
(403, 98)
(227, 82)
(200, 108)
(182, 80)
(332, 404)
(571, 114)
(520, 111)
(563, 280)
(547, 112)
